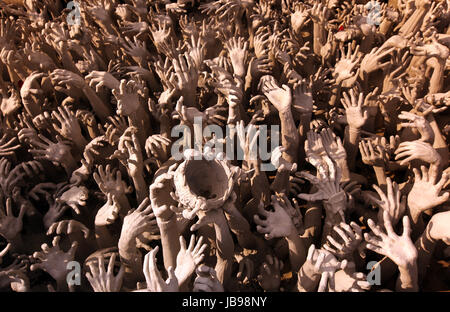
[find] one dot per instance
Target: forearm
(69, 164)
(319, 37)
(80, 142)
(18, 71)
(189, 96)
(281, 182)
(225, 251)
(335, 94)
(351, 141)
(312, 221)
(248, 82)
(412, 25)
(67, 62)
(330, 222)
(260, 187)
(381, 176)
(437, 79)
(224, 240)
(241, 228)
(141, 121)
(140, 186)
(103, 237)
(165, 126)
(342, 163)
(425, 246)
(439, 142)
(297, 250)
(170, 241)
(130, 256)
(408, 278)
(31, 107)
(334, 214)
(99, 107)
(417, 223)
(303, 128)
(124, 204)
(289, 136)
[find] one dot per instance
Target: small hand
(270, 274)
(68, 227)
(189, 258)
(206, 280)
(105, 281)
(53, 260)
(417, 150)
(400, 249)
(155, 283)
(277, 223)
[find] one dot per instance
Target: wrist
(337, 199)
(285, 112)
(126, 239)
(354, 130)
(307, 278)
(306, 116)
(414, 212)
(293, 233)
(408, 277)
(166, 222)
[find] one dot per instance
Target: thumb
(366, 114)
(172, 277)
(443, 198)
(201, 222)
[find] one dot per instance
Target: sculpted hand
(75, 196)
(333, 145)
(58, 153)
(355, 111)
(99, 79)
(206, 280)
(10, 226)
(110, 181)
(400, 249)
(417, 150)
(425, 192)
(373, 61)
(155, 283)
(105, 281)
(438, 228)
(350, 236)
(68, 227)
(269, 274)
(162, 195)
(109, 212)
(127, 97)
(420, 123)
(344, 68)
(371, 157)
(54, 261)
(279, 97)
(323, 263)
(389, 202)
(277, 223)
(70, 128)
(189, 258)
(139, 220)
(237, 49)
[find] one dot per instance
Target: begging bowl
(209, 179)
